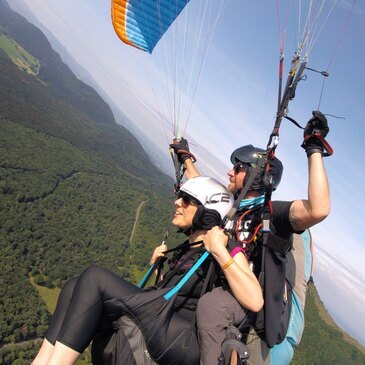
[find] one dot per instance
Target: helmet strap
(205, 218)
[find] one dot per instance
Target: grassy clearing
(85, 358)
(23, 59)
(49, 296)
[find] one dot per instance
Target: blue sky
(235, 104)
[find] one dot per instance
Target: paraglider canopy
(177, 34)
(141, 24)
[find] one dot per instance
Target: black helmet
(250, 155)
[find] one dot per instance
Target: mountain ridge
(74, 103)
(323, 341)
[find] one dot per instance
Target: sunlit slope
(57, 103)
(324, 343)
(53, 72)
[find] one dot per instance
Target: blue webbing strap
(187, 276)
(146, 276)
(157, 263)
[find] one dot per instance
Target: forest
(71, 181)
(61, 210)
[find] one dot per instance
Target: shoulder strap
(175, 269)
(160, 261)
(187, 276)
(148, 274)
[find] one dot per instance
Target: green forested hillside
(62, 209)
(58, 104)
(324, 343)
(71, 181)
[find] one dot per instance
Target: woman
(201, 205)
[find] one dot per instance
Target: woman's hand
(215, 240)
(158, 252)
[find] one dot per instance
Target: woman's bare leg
(44, 353)
(63, 355)
(51, 335)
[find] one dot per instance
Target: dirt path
(138, 213)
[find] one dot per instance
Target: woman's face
(185, 209)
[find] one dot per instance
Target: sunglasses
(240, 167)
(187, 199)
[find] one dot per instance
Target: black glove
(314, 133)
(181, 148)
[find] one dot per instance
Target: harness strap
(172, 272)
(148, 274)
(266, 219)
(187, 276)
(159, 263)
(183, 245)
(205, 289)
(159, 275)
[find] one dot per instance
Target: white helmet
(214, 198)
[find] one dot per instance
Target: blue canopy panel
(142, 23)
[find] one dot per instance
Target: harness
(143, 332)
(266, 252)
